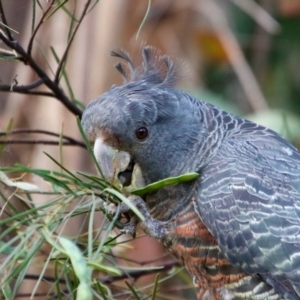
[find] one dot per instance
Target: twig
(136, 274)
(32, 85)
(55, 88)
(20, 90)
(23, 89)
(32, 131)
(26, 89)
(38, 26)
(3, 18)
(64, 57)
(40, 131)
(43, 142)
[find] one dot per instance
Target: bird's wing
(249, 199)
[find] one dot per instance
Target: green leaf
(82, 271)
(106, 269)
(80, 267)
(25, 186)
(103, 289)
(9, 28)
(155, 288)
(84, 292)
(6, 250)
(9, 127)
(134, 293)
(7, 292)
(153, 187)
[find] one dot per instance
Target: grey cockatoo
(236, 228)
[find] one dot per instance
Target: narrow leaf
(126, 201)
(134, 293)
(153, 187)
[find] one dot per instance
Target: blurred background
(243, 56)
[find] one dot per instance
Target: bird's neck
(168, 202)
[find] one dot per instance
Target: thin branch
(33, 85)
(40, 131)
(57, 91)
(29, 295)
(45, 277)
(38, 26)
(64, 57)
(135, 274)
(6, 27)
(7, 88)
(22, 89)
(42, 142)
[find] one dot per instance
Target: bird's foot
(123, 213)
(154, 228)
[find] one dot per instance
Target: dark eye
(141, 133)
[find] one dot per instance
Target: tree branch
(26, 89)
(55, 88)
(19, 90)
(135, 274)
(38, 26)
(64, 57)
(42, 142)
(68, 141)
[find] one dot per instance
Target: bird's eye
(141, 133)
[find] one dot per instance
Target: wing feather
(250, 200)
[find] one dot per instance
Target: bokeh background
(243, 56)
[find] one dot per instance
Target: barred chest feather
(196, 249)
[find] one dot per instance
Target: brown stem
(43, 142)
(64, 57)
(40, 131)
(7, 88)
(55, 88)
(136, 274)
(38, 26)
(22, 88)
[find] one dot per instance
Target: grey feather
(249, 188)
(156, 69)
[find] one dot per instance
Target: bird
(236, 227)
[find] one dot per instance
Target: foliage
(32, 236)
(33, 243)
(73, 259)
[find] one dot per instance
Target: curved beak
(118, 167)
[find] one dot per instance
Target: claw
(130, 226)
(110, 208)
